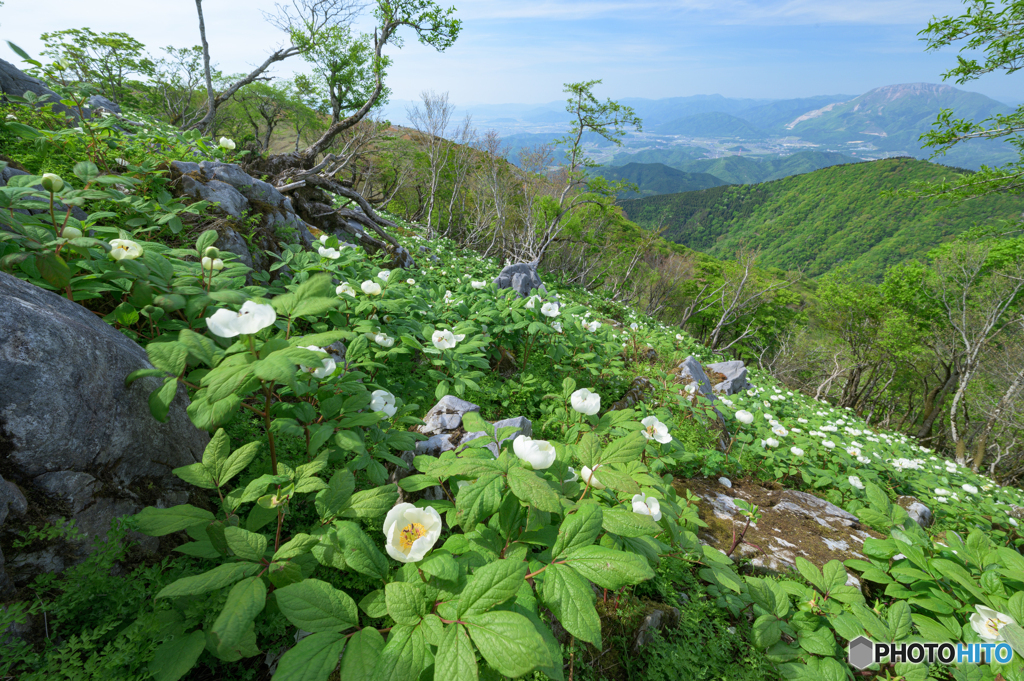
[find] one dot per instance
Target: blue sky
(524, 50)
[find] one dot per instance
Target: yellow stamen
(409, 534)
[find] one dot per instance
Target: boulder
(521, 278)
(77, 441)
(690, 371)
(792, 524)
(918, 512)
(735, 373)
(13, 81)
(101, 102)
(232, 242)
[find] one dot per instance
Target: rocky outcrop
(692, 373)
(74, 441)
(521, 278)
(792, 524)
(735, 373)
(918, 512)
(13, 81)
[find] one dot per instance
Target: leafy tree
(342, 68)
(106, 60)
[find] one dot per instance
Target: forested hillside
(737, 169)
(657, 178)
(830, 217)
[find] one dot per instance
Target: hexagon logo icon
(861, 652)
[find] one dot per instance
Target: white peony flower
(443, 339)
(591, 326)
(226, 143)
(557, 326)
(573, 475)
(370, 288)
(585, 402)
(124, 249)
(532, 301)
(780, 431)
(771, 442)
(383, 401)
(345, 289)
(478, 284)
(330, 253)
(549, 309)
(855, 481)
(679, 336)
(538, 453)
(797, 451)
(383, 275)
(589, 477)
(655, 430)
(649, 506)
(71, 232)
(634, 326)
(327, 367)
(410, 282)
(252, 317)
(829, 444)
(410, 532)
(970, 488)
(384, 340)
(744, 416)
(987, 622)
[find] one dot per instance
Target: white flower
(987, 622)
(324, 238)
(863, 459)
(383, 275)
(970, 488)
(829, 444)
(383, 401)
(557, 326)
(573, 475)
(251, 318)
(690, 388)
(855, 481)
(634, 326)
(370, 288)
(330, 253)
(802, 420)
(1012, 521)
(327, 367)
(384, 340)
(549, 309)
(591, 326)
(410, 282)
(589, 477)
(655, 430)
(532, 301)
(410, 532)
(225, 143)
(780, 431)
(443, 339)
(649, 506)
(797, 451)
(679, 336)
(771, 442)
(538, 453)
(345, 289)
(585, 402)
(478, 284)
(124, 249)
(71, 233)
(52, 182)
(744, 416)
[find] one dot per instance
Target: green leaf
(508, 641)
(478, 501)
(440, 564)
(624, 449)
(899, 620)
(403, 657)
(195, 474)
(205, 240)
(157, 522)
(571, 599)
(284, 574)
(245, 544)
(372, 503)
(455, 657)
(245, 600)
(173, 658)
(373, 604)
(296, 546)
(578, 529)
(534, 490)
(313, 605)
(53, 269)
(818, 642)
(609, 568)
(362, 655)
(472, 422)
(171, 357)
(490, 585)
(236, 463)
(767, 631)
(405, 603)
(312, 659)
(161, 398)
(329, 501)
(360, 552)
(1014, 635)
(626, 523)
(811, 573)
(618, 480)
(588, 450)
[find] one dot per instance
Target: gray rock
(918, 512)
(11, 501)
(446, 415)
(655, 621)
(735, 373)
(228, 199)
(69, 426)
(690, 371)
(13, 81)
(521, 278)
(101, 102)
(522, 425)
(232, 242)
(249, 186)
(434, 446)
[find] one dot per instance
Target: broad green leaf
(314, 605)
(157, 522)
(479, 500)
(360, 552)
(508, 641)
(624, 449)
(440, 564)
(572, 601)
(362, 655)
(405, 603)
(297, 545)
(626, 523)
(245, 544)
(403, 657)
(284, 574)
(578, 529)
(609, 568)
(161, 398)
(236, 463)
(534, 490)
(196, 474)
(811, 573)
(899, 620)
(372, 503)
(312, 659)
(588, 450)
(767, 631)
(1014, 635)
(472, 422)
(455, 658)
(173, 658)
(332, 499)
(245, 600)
(373, 604)
(490, 585)
(819, 642)
(834, 575)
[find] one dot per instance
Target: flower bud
(207, 263)
(52, 183)
(211, 251)
(71, 233)
(218, 264)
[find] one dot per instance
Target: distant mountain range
(822, 219)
